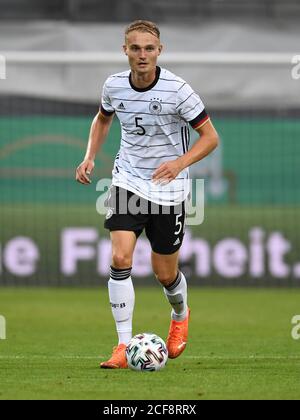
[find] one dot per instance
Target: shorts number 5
(178, 223)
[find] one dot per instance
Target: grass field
(240, 346)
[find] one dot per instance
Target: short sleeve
(190, 106)
(106, 106)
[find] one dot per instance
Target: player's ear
(125, 49)
(160, 48)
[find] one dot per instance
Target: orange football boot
(118, 359)
(177, 338)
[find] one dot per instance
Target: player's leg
(165, 232)
(124, 228)
(174, 282)
(121, 293)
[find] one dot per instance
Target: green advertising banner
(51, 233)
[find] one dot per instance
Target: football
(146, 352)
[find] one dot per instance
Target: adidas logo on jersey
(121, 106)
(177, 242)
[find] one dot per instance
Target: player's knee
(166, 278)
(121, 260)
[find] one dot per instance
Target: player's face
(142, 49)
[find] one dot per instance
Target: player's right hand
(84, 170)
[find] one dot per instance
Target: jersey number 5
(142, 132)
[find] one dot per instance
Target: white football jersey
(155, 129)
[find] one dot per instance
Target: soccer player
(155, 108)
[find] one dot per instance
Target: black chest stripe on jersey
(152, 157)
(142, 100)
(140, 167)
(161, 125)
(136, 176)
(139, 177)
(152, 135)
(152, 145)
(146, 113)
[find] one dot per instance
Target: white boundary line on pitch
(243, 357)
(262, 357)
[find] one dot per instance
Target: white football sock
(176, 294)
(121, 295)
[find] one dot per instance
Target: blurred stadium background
(236, 54)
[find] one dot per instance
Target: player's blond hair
(143, 26)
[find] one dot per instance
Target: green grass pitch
(240, 346)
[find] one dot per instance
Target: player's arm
(98, 133)
(208, 140)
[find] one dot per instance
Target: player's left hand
(166, 172)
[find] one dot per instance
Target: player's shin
(121, 295)
(176, 294)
